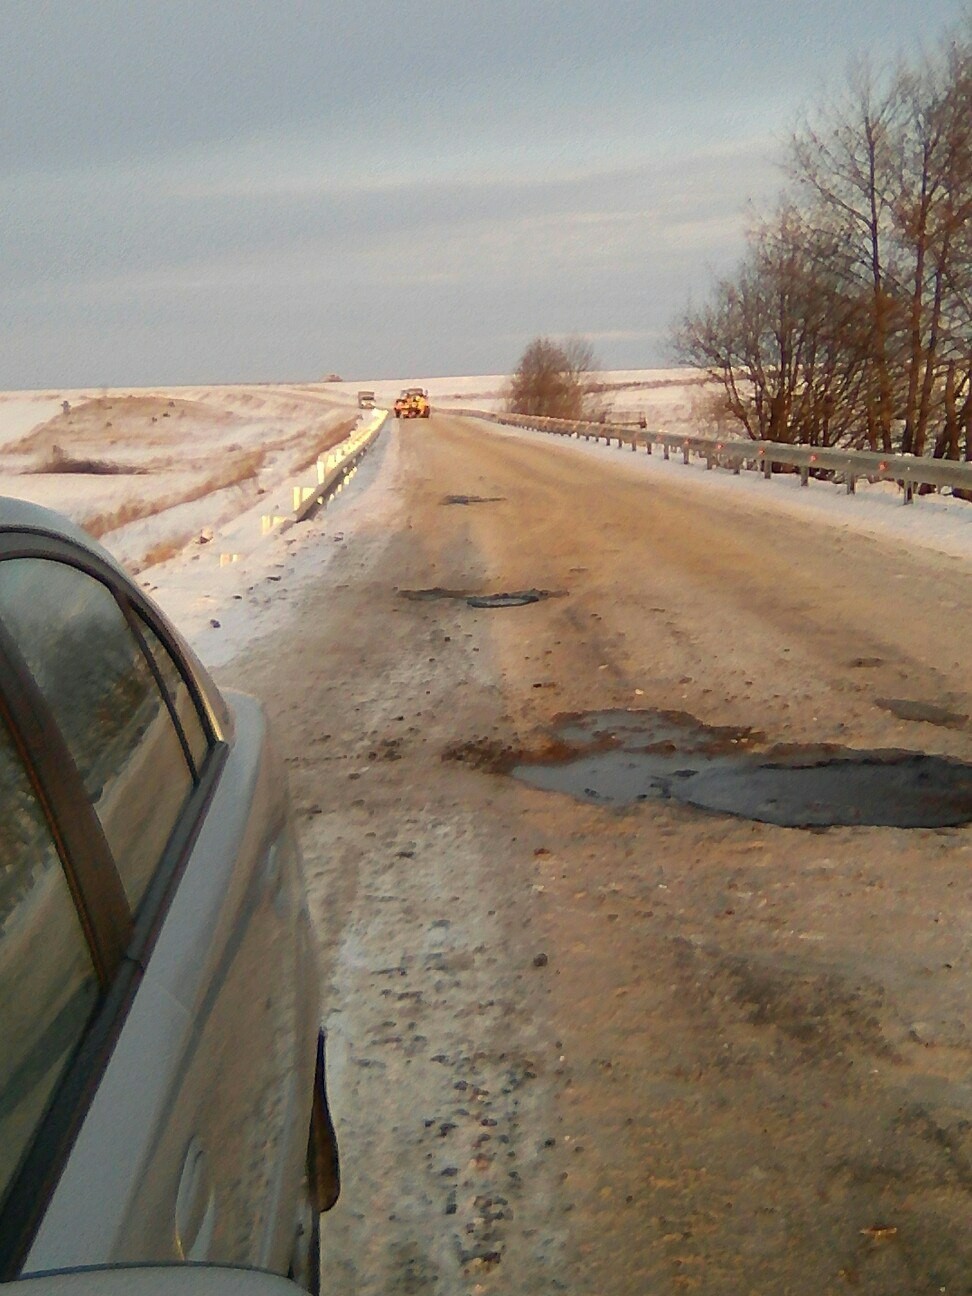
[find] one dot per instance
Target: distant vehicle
(413, 403)
(366, 400)
(162, 1091)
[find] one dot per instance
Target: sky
(276, 190)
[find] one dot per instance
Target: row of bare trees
(849, 321)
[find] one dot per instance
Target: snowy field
(179, 484)
(669, 398)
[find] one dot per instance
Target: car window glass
(178, 691)
(48, 986)
(107, 704)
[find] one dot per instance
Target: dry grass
(59, 462)
(239, 470)
(161, 552)
(246, 466)
(335, 436)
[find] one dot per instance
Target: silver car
(162, 1093)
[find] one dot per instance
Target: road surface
(620, 1050)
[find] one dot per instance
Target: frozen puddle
(623, 757)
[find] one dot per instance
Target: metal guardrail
(335, 467)
(907, 470)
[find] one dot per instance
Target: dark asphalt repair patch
(625, 757)
(510, 598)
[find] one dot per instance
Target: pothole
(929, 712)
(625, 757)
(889, 789)
(429, 595)
(473, 499)
(516, 598)
(506, 599)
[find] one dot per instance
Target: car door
(174, 1129)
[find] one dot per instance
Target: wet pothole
(473, 499)
(430, 595)
(518, 598)
(505, 599)
(928, 712)
(625, 757)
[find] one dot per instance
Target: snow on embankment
(147, 472)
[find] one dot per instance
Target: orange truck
(413, 403)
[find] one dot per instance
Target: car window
(178, 691)
(107, 703)
(48, 986)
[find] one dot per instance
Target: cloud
(234, 186)
(571, 247)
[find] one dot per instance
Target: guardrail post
(767, 468)
(709, 460)
(804, 476)
(665, 450)
(851, 484)
(909, 492)
(685, 454)
(736, 466)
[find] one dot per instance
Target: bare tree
(555, 380)
(774, 338)
(846, 168)
(849, 320)
(936, 213)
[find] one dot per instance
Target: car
(162, 1077)
(153, 1280)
